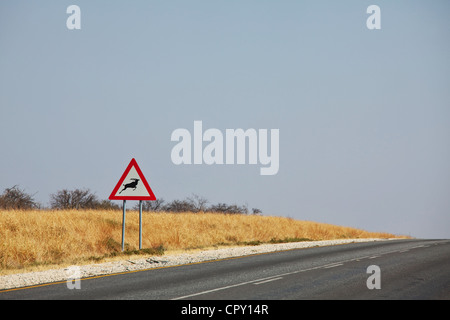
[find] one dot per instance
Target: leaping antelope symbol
(130, 185)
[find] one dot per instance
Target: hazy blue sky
(364, 115)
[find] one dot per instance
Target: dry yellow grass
(45, 237)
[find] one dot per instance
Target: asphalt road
(407, 269)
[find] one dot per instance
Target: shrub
(73, 199)
(15, 198)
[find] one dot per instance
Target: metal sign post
(123, 225)
(140, 224)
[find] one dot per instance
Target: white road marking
(273, 279)
(360, 258)
(333, 265)
(277, 277)
(218, 289)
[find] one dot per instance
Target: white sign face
(132, 185)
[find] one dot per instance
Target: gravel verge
(150, 262)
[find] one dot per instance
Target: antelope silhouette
(130, 185)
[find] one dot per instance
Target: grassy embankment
(39, 239)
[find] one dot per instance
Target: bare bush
(73, 199)
(15, 198)
(179, 206)
(198, 203)
(230, 209)
(151, 206)
(256, 211)
(106, 205)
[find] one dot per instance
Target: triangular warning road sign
(132, 185)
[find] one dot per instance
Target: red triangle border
(134, 164)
